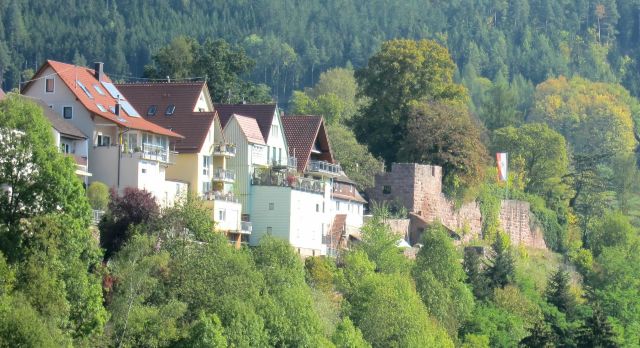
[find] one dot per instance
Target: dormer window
(49, 84)
(152, 110)
(170, 110)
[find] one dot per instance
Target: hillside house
(125, 149)
(202, 155)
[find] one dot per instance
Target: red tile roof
(250, 128)
(69, 74)
(302, 132)
(194, 126)
(262, 113)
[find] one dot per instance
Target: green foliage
(440, 279)
(221, 63)
(613, 229)
(501, 268)
(444, 134)
(558, 291)
(320, 272)
(503, 328)
(499, 107)
(401, 72)
(380, 245)
(206, 333)
(542, 154)
(472, 265)
(354, 158)
(98, 195)
(188, 214)
(489, 201)
(540, 336)
(597, 332)
(348, 336)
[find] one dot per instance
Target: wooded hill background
(293, 41)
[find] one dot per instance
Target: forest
(292, 42)
(553, 84)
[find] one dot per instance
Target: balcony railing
(274, 178)
(155, 152)
(323, 167)
(227, 150)
(246, 227)
(224, 175)
(219, 196)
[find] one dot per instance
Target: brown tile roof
(301, 133)
(69, 74)
(250, 128)
(56, 120)
(338, 228)
(194, 126)
(356, 198)
(262, 113)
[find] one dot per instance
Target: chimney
(117, 108)
(99, 70)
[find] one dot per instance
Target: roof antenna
(168, 79)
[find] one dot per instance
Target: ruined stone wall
(419, 189)
(515, 220)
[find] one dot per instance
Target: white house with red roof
(125, 149)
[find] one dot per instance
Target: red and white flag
(503, 167)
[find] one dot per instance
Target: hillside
(294, 41)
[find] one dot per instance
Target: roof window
(85, 89)
(152, 110)
(101, 107)
(170, 110)
(98, 89)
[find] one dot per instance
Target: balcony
(219, 196)
(224, 175)
(323, 168)
(154, 152)
(246, 227)
(284, 179)
(224, 150)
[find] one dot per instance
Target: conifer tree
(540, 336)
(597, 332)
(501, 268)
(558, 291)
(473, 268)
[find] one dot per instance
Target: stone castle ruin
(418, 188)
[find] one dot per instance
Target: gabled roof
(57, 122)
(262, 113)
(250, 128)
(72, 74)
(194, 126)
(302, 133)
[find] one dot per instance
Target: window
(67, 112)
(86, 91)
(206, 163)
(273, 154)
(271, 206)
(101, 107)
(170, 110)
(222, 215)
(103, 140)
(151, 111)
(386, 189)
(206, 187)
(323, 207)
(144, 170)
(64, 148)
(98, 89)
(274, 130)
(49, 85)
(317, 208)
(133, 141)
(337, 206)
(279, 155)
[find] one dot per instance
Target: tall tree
(501, 268)
(558, 291)
(401, 72)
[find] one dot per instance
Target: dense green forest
(292, 42)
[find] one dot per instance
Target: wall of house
(202, 103)
(184, 169)
(353, 210)
(277, 216)
(310, 221)
(241, 163)
(226, 215)
(103, 165)
(278, 142)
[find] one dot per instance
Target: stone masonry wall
(419, 188)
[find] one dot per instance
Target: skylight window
(129, 109)
(85, 89)
(152, 110)
(170, 110)
(112, 90)
(101, 107)
(98, 89)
